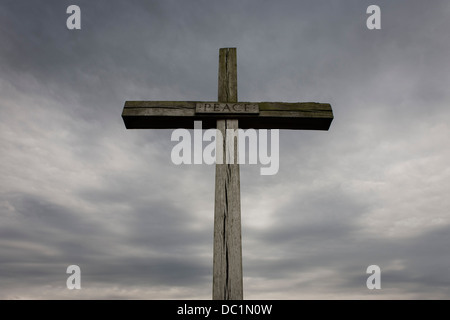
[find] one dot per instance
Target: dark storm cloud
(418, 266)
(51, 237)
(80, 189)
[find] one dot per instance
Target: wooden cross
(227, 113)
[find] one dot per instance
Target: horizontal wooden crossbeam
(182, 114)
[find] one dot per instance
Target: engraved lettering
(225, 108)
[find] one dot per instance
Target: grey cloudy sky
(78, 188)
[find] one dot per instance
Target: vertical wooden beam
(227, 261)
(227, 75)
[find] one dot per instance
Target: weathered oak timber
(272, 115)
(227, 250)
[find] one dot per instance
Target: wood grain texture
(227, 91)
(272, 115)
(227, 250)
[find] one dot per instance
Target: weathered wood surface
(227, 84)
(226, 108)
(272, 115)
(227, 251)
